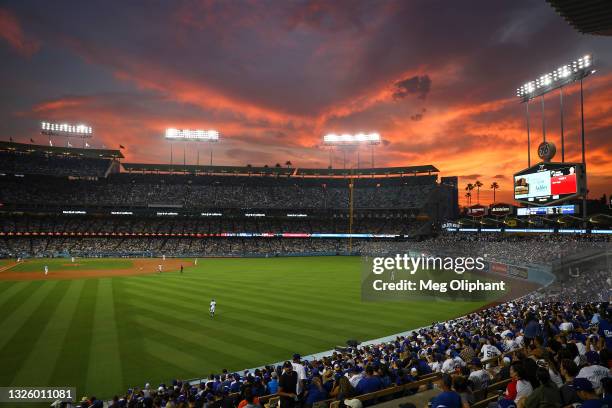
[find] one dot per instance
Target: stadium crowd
(550, 354)
(62, 166)
(333, 223)
(176, 247)
(218, 191)
(531, 248)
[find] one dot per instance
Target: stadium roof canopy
(280, 171)
(60, 151)
(586, 16)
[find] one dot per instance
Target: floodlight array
(192, 135)
(65, 129)
(347, 139)
(563, 75)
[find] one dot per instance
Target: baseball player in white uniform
(213, 306)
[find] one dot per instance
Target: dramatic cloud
(274, 79)
(417, 85)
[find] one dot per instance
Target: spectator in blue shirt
(369, 383)
(447, 398)
(273, 384)
(586, 392)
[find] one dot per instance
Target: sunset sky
(436, 79)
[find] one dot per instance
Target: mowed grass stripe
(40, 363)
(15, 290)
(13, 320)
(206, 351)
(104, 360)
(172, 356)
(20, 329)
(73, 358)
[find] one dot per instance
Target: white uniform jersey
(213, 305)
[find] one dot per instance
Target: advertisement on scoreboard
(546, 183)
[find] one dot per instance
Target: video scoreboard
(548, 183)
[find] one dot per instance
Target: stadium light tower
(566, 74)
(66, 130)
(346, 140)
(188, 135)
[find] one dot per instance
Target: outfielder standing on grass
(46, 270)
(213, 306)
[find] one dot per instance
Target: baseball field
(103, 325)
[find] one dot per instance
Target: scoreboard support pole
(528, 135)
(584, 198)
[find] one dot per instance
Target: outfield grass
(104, 335)
(38, 265)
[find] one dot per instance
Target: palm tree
(494, 186)
(478, 184)
(468, 195)
(277, 165)
(469, 187)
(288, 163)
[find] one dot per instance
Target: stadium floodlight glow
(192, 135)
(352, 139)
(564, 75)
(65, 129)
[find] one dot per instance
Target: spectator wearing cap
(447, 398)
(586, 393)
(369, 383)
(301, 373)
(546, 395)
(287, 386)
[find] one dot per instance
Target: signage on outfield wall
(211, 214)
(74, 212)
(499, 268)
